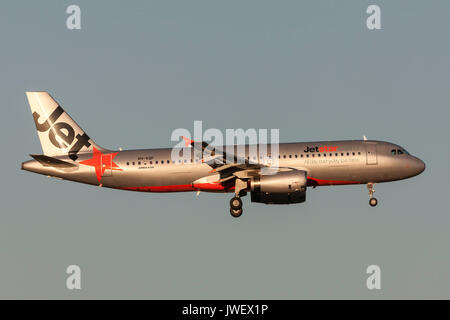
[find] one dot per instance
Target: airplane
(70, 154)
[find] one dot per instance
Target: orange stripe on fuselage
(216, 187)
(181, 188)
(323, 182)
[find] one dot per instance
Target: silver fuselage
(326, 163)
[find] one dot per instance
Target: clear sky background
(137, 70)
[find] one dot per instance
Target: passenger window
(399, 151)
(393, 152)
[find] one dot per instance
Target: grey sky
(138, 70)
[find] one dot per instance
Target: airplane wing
(223, 162)
(227, 167)
(217, 156)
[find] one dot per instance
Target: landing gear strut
(236, 202)
(372, 201)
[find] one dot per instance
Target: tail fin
(58, 133)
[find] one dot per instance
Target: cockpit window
(398, 152)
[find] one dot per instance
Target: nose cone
(418, 166)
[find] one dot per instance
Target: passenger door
(371, 151)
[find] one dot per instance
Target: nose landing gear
(372, 201)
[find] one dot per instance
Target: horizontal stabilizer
(47, 161)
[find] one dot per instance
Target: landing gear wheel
(373, 202)
(236, 203)
(236, 213)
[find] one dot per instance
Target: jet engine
(280, 188)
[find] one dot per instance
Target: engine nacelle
(280, 188)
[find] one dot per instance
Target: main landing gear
(372, 201)
(236, 207)
(236, 202)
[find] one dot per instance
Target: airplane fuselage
(153, 170)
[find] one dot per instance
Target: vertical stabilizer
(58, 132)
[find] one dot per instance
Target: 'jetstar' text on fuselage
(320, 149)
